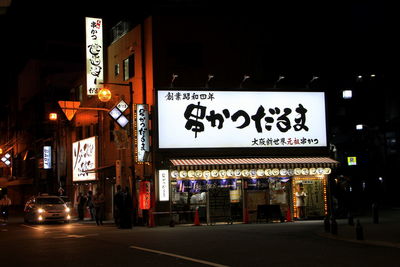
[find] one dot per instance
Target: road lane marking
(36, 228)
(73, 236)
(179, 256)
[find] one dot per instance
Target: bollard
(350, 218)
(375, 212)
(334, 226)
(327, 225)
(359, 231)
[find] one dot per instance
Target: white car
(45, 208)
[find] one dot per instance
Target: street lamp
(104, 94)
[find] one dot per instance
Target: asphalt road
(274, 244)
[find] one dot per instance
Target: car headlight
(67, 209)
(40, 210)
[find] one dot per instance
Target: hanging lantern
(104, 94)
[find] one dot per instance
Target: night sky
(333, 38)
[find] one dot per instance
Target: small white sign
(47, 157)
(122, 106)
(163, 185)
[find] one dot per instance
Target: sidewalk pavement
(384, 233)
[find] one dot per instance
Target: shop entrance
(309, 197)
(217, 200)
(267, 199)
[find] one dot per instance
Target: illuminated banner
(84, 159)
(163, 185)
(47, 157)
(94, 55)
(231, 119)
(142, 131)
(144, 195)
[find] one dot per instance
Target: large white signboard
(94, 55)
(84, 155)
(232, 119)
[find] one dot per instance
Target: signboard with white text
(142, 132)
(94, 55)
(163, 185)
(47, 157)
(84, 159)
(233, 119)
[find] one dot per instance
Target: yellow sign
(351, 161)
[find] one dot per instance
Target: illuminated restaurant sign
(229, 119)
(144, 195)
(84, 161)
(163, 185)
(94, 55)
(47, 157)
(142, 132)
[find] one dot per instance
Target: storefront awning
(294, 162)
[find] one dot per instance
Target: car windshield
(49, 200)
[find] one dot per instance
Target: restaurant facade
(241, 156)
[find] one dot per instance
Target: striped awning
(293, 162)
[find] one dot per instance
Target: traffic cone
(246, 216)
(288, 215)
(196, 218)
(151, 219)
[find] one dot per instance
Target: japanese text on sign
(197, 119)
(94, 55)
(163, 185)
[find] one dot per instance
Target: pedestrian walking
(99, 205)
(81, 206)
(126, 220)
(5, 204)
(89, 204)
(118, 206)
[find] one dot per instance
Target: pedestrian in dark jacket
(118, 206)
(81, 206)
(89, 204)
(99, 205)
(127, 210)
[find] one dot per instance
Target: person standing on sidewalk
(99, 205)
(81, 206)
(126, 220)
(300, 201)
(5, 204)
(89, 204)
(118, 206)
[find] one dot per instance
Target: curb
(364, 242)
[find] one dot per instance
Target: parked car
(46, 208)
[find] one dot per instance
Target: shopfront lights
(104, 94)
(6, 159)
(347, 94)
(115, 113)
(122, 121)
(53, 116)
